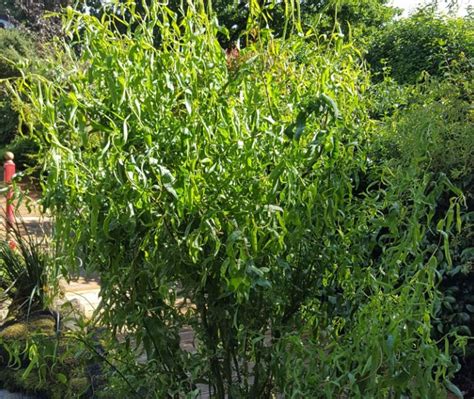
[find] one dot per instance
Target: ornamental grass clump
(245, 189)
(25, 275)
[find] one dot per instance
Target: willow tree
(240, 183)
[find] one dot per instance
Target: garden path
(4, 394)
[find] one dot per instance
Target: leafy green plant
(14, 46)
(246, 190)
(435, 127)
(423, 43)
(24, 272)
(359, 18)
(39, 356)
(8, 119)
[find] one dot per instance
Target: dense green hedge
(424, 42)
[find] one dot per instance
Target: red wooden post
(8, 172)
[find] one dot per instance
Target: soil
(464, 379)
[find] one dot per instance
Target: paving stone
(4, 394)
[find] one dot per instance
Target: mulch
(464, 379)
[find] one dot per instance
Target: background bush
(424, 42)
(432, 123)
(15, 46)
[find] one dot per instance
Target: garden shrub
(436, 129)
(8, 119)
(247, 189)
(14, 47)
(431, 122)
(424, 42)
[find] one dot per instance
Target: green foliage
(14, 47)
(8, 119)
(24, 274)
(362, 18)
(12, 8)
(456, 307)
(245, 188)
(425, 42)
(435, 126)
(25, 150)
(431, 122)
(235, 17)
(39, 357)
(395, 313)
(39, 354)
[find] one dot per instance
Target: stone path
(4, 394)
(85, 292)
